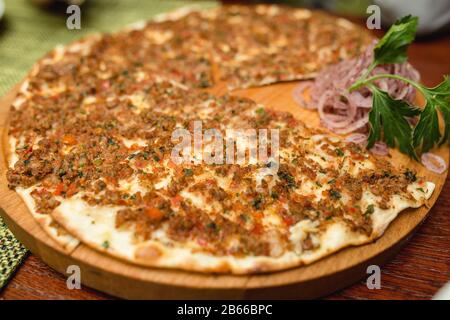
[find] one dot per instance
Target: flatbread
(133, 202)
(248, 45)
(91, 142)
(46, 222)
(264, 44)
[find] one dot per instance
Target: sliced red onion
(360, 100)
(402, 94)
(298, 92)
(383, 84)
(329, 119)
(358, 124)
(380, 149)
(413, 74)
(434, 162)
(350, 115)
(358, 138)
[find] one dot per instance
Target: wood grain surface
(417, 272)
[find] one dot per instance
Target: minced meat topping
(116, 152)
(95, 121)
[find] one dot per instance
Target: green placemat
(27, 32)
(11, 255)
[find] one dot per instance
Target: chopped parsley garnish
(213, 227)
(388, 117)
(288, 178)
(203, 77)
(257, 202)
(410, 176)
(105, 244)
(339, 152)
(243, 217)
(111, 142)
(335, 194)
(369, 210)
(97, 161)
(260, 111)
(388, 174)
(188, 172)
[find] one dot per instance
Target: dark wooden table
(417, 272)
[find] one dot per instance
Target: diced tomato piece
(258, 215)
(292, 123)
(357, 156)
(106, 85)
(282, 199)
(154, 213)
(177, 168)
(257, 228)
(171, 164)
(135, 147)
(139, 164)
(59, 189)
(71, 190)
(112, 181)
(234, 184)
(328, 214)
(288, 220)
(202, 242)
(69, 139)
(176, 201)
(238, 207)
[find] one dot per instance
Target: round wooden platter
(126, 280)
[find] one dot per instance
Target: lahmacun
(91, 134)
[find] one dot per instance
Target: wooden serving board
(127, 280)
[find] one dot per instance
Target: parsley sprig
(388, 117)
(391, 115)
